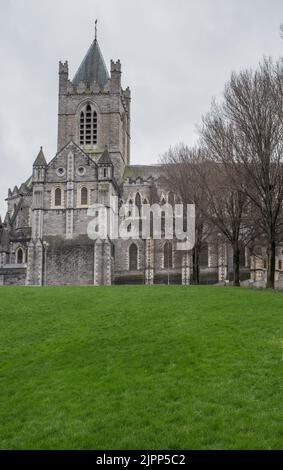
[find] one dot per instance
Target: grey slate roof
(142, 171)
(105, 158)
(92, 68)
(4, 240)
(40, 159)
(7, 219)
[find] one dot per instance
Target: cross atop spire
(95, 37)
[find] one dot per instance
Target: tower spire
(95, 37)
(93, 67)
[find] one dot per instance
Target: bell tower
(94, 110)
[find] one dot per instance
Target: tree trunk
(236, 264)
(195, 265)
(271, 265)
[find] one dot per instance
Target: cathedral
(43, 237)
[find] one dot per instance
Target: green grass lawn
(140, 367)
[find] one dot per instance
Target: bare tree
(251, 118)
(228, 208)
(181, 176)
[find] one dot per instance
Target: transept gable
(84, 168)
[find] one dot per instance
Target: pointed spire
(40, 159)
(23, 189)
(92, 68)
(7, 219)
(15, 191)
(105, 158)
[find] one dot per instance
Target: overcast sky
(176, 56)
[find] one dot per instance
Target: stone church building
(43, 237)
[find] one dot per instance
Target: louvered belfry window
(88, 126)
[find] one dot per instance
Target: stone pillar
(2, 259)
(186, 268)
(34, 275)
(102, 272)
(253, 268)
(11, 257)
(247, 257)
(209, 255)
(37, 224)
(222, 262)
(70, 197)
(149, 261)
(107, 264)
(96, 262)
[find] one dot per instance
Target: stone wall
(13, 277)
(70, 262)
(14, 280)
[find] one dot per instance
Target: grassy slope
(140, 367)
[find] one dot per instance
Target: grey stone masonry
(102, 263)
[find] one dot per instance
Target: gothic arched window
(168, 258)
(138, 203)
(133, 257)
(203, 257)
(151, 224)
(58, 197)
(171, 199)
(88, 126)
(20, 256)
(84, 196)
(163, 220)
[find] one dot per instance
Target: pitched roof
(23, 189)
(105, 158)
(28, 183)
(92, 68)
(142, 171)
(40, 159)
(74, 147)
(4, 240)
(7, 219)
